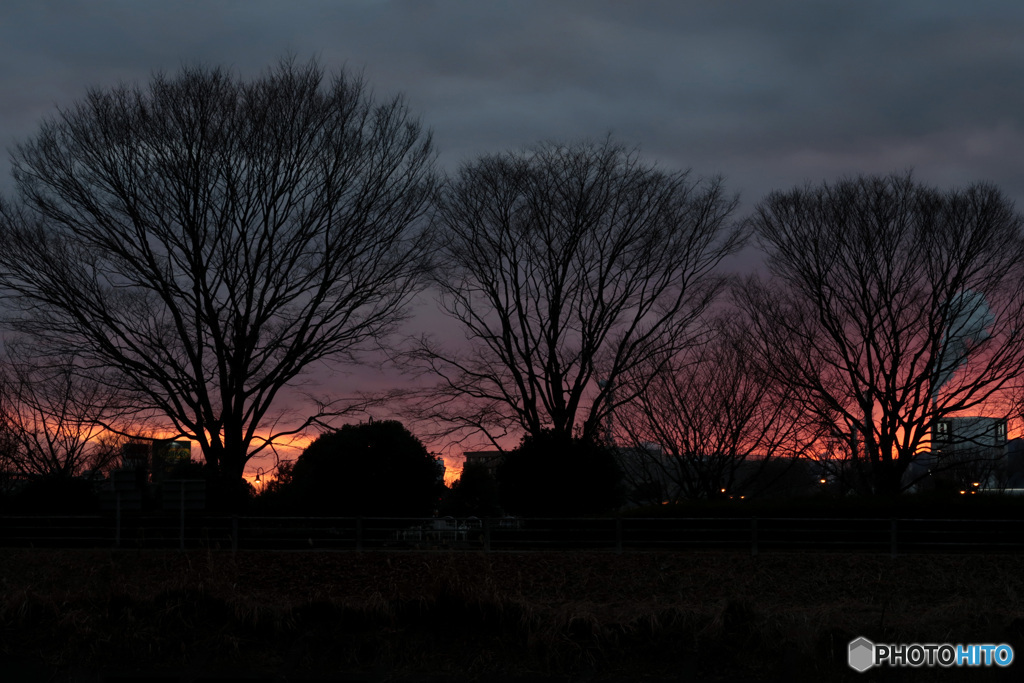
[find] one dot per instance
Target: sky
(766, 94)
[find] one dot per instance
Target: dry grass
(468, 616)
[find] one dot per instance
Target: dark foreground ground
(205, 616)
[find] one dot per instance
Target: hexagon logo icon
(861, 654)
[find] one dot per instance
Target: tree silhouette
(566, 267)
(211, 238)
(377, 468)
(474, 493)
(891, 305)
(555, 474)
(52, 418)
(709, 423)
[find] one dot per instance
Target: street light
(259, 471)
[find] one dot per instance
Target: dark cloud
(766, 93)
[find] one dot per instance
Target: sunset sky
(767, 94)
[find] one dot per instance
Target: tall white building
(968, 451)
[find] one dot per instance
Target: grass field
(469, 616)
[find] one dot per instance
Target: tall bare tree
(891, 305)
(710, 423)
(565, 267)
(212, 238)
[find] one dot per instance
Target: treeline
(180, 257)
(373, 469)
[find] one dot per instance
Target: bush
(552, 474)
(278, 495)
(378, 468)
(475, 493)
(59, 495)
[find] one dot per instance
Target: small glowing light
(975, 484)
(742, 497)
(723, 490)
(823, 481)
(963, 493)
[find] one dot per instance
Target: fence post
(359, 532)
(487, 534)
(618, 535)
(234, 533)
(181, 528)
(753, 536)
(117, 518)
(892, 537)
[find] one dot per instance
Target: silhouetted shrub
(378, 468)
(57, 495)
(555, 474)
(276, 494)
(475, 493)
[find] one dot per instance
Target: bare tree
(563, 266)
(710, 423)
(53, 417)
(892, 305)
(212, 238)
(9, 450)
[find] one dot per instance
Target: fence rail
(614, 534)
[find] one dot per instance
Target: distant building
(441, 468)
(487, 460)
(955, 434)
(167, 454)
(1015, 466)
(155, 458)
(135, 456)
(147, 468)
(12, 481)
(969, 452)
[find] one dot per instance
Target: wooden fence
(612, 534)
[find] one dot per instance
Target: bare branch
(708, 422)
(211, 238)
(565, 265)
(892, 305)
(53, 414)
